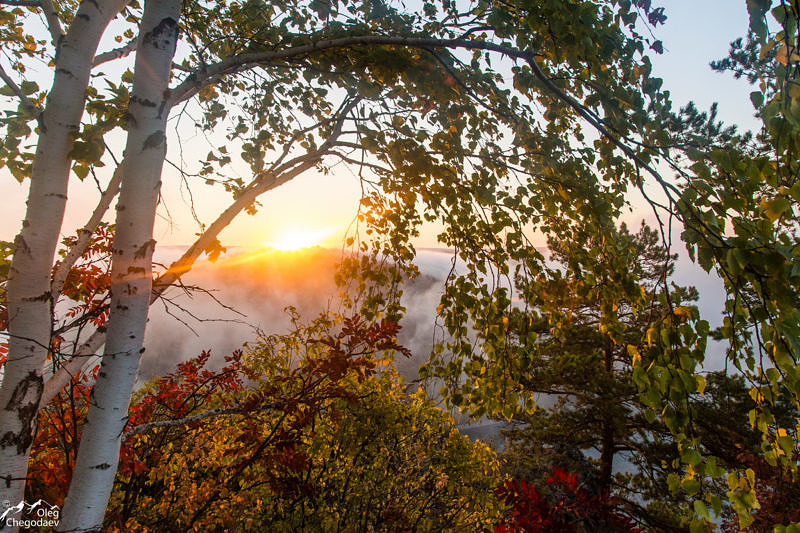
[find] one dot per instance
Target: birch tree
(29, 298)
(409, 101)
(131, 273)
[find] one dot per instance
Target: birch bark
(29, 298)
(98, 456)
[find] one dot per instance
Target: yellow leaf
(636, 357)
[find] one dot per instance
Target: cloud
(259, 286)
(255, 290)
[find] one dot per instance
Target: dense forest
(562, 379)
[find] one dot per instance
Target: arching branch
(240, 62)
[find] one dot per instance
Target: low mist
(246, 294)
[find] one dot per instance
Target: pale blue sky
(697, 32)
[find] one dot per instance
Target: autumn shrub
(302, 432)
(564, 505)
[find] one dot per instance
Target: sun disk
(293, 240)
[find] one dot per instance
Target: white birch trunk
(29, 299)
(131, 273)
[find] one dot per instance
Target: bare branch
(29, 105)
(141, 428)
(85, 234)
(116, 53)
(264, 184)
(188, 290)
(359, 163)
(21, 3)
(273, 178)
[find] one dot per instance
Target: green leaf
(691, 456)
(691, 486)
(716, 505)
(80, 170)
(757, 10)
(29, 87)
(701, 510)
(776, 207)
(673, 482)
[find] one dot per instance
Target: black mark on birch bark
(141, 253)
(163, 35)
(44, 297)
(65, 72)
(20, 246)
(25, 401)
(155, 140)
(143, 101)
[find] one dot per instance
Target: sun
(292, 240)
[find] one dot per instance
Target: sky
(697, 32)
(323, 206)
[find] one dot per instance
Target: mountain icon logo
(36, 514)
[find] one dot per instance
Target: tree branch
(116, 53)
(53, 22)
(29, 105)
(237, 63)
(21, 3)
(85, 233)
(141, 428)
(275, 177)
(240, 62)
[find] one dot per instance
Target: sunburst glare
(292, 240)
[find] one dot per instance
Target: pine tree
(591, 421)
